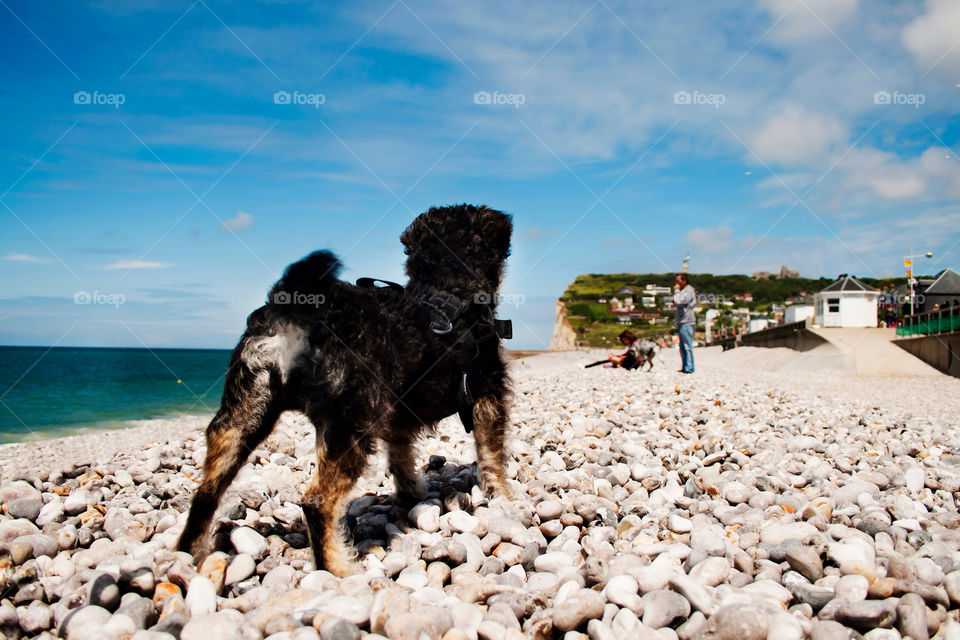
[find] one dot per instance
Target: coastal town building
(846, 303)
(797, 312)
(944, 289)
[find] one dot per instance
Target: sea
(49, 392)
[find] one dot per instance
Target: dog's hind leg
(490, 430)
(341, 459)
(402, 457)
(247, 414)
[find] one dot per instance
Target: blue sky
(148, 159)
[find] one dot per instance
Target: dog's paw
(494, 487)
(342, 565)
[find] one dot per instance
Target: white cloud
(884, 174)
(243, 220)
(934, 37)
(25, 257)
(796, 137)
(809, 18)
(935, 173)
(138, 264)
(709, 240)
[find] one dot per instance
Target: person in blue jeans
(684, 297)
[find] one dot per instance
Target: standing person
(684, 298)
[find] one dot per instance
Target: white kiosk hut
(846, 303)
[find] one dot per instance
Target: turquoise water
(48, 392)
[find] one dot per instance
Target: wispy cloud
(138, 264)
(25, 257)
(242, 220)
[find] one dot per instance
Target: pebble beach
(748, 501)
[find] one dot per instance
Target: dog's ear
(497, 227)
(413, 236)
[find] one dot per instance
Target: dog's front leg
(339, 463)
(490, 431)
(402, 457)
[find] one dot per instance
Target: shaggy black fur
(364, 366)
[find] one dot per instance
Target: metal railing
(930, 323)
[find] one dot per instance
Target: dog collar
(445, 308)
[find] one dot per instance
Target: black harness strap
(445, 309)
(371, 283)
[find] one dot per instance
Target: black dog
(368, 363)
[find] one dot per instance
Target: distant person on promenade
(684, 298)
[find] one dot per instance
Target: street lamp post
(908, 263)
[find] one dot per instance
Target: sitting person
(638, 351)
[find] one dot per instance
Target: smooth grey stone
(81, 617)
(662, 608)
(814, 595)
(103, 591)
(577, 609)
(829, 630)
(339, 629)
(240, 567)
(806, 561)
(28, 507)
(138, 609)
(952, 584)
(736, 622)
(867, 614)
(247, 540)
(447, 550)
(140, 580)
(694, 592)
(912, 617)
(35, 617)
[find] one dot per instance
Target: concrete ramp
(825, 356)
(866, 351)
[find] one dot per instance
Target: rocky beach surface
(739, 503)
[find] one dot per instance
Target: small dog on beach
(648, 351)
(369, 363)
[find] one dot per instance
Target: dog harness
(445, 309)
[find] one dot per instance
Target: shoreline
(98, 446)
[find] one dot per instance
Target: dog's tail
(306, 282)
